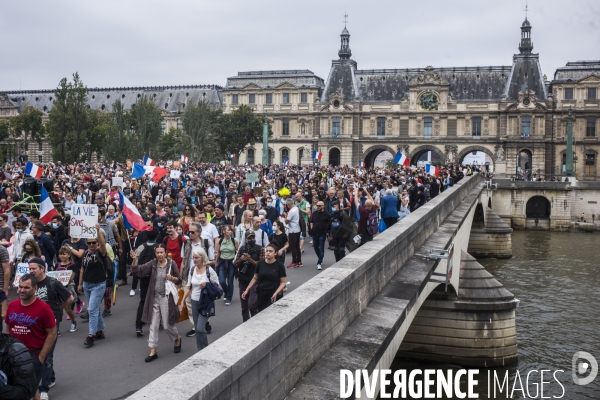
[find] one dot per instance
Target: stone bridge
(385, 299)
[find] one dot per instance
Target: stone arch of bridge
(416, 153)
(469, 149)
(372, 152)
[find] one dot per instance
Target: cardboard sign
(252, 177)
(84, 218)
(118, 181)
(62, 276)
(175, 174)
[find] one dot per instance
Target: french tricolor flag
(361, 163)
(317, 155)
(432, 170)
(148, 161)
(47, 210)
(231, 155)
(401, 159)
(131, 215)
(286, 161)
(33, 170)
(183, 159)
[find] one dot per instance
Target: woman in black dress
(271, 279)
(280, 239)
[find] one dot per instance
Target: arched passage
(525, 163)
(538, 207)
(426, 153)
(334, 156)
(478, 155)
(376, 151)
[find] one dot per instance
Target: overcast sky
(155, 43)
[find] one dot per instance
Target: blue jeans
(199, 326)
(319, 245)
(48, 370)
(226, 272)
(94, 292)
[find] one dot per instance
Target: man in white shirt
(262, 239)
(293, 220)
(209, 231)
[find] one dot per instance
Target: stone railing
(265, 357)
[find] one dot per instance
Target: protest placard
(175, 174)
(61, 276)
(84, 218)
(252, 177)
(22, 269)
(118, 181)
(169, 162)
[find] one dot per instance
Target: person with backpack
(92, 282)
(174, 242)
(225, 253)
(17, 366)
(368, 225)
(145, 253)
(246, 260)
(58, 298)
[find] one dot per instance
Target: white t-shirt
(210, 232)
(195, 280)
(293, 217)
(262, 239)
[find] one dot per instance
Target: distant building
(511, 113)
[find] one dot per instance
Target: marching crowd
(204, 228)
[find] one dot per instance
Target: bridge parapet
(266, 356)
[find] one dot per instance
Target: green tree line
(76, 132)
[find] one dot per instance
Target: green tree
(116, 133)
(95, 132)
(147, 130)
(80, 137)
(200, 137)
(59, 123)
(171, 144)
(4, 129)
(239, 129)
(28, 125)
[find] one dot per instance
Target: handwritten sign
(175, 174)
(252, 177)
(84, 218)
(118, 181)
(62, 276)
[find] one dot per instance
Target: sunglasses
(190, 232)
(92, 243)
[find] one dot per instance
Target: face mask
(54, 225)
(269, 204)
(251, 243)
(29, 251)
(160, 225)
(19, 230)
(334, 209)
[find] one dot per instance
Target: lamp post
(517, 166)
(265, 154)
(569, 166)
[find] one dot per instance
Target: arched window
(285, 153)
(250, 156)
(590, 163)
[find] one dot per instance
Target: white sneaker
(73, 328)
(132, 292)
(44, 396)
(319, 267)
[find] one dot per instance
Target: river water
(556, 277)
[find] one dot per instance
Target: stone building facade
(512, 113)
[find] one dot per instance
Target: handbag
(382, 226)
(184, 311)
(171, 288)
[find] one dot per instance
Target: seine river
(556, 276)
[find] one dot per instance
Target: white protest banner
(252, 177)
(169, 162)
(84, 218)
(22, 269)
(62, 276)
(118, 181)
(175, 174)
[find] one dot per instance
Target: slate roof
(165, 97)
(575, 71)
(341, 77)
(271, 79)
(526, 74)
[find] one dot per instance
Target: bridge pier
(474, 329)
(492, 238)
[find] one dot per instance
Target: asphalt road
(114, 368)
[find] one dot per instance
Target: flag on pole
(131, 215)
(137, 171)
(402, 159)
(286, 161)
(246, 163)
(361, 163)
(432, 170)
(317, 155)
(231, 155)
(33, 170)
(47, 210)
(183, 159)
(156, 173)
(148, 161)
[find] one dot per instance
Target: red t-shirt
(174, 248)
(29, 323)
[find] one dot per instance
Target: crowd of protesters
(207, 227)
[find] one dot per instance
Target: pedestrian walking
(270, 278)
(320, 223)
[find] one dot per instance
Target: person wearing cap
(220, 218)
(251, 206)
(248, 256)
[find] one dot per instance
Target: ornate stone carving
(389, 125)
(429, 101)
(302, 129)
(486, 126)
(500, 155)
(428, 77)
(451, 153)
(436, 127)
(467, 131)
(306, 151)
(404, 149)
(336, 99)
(372, 126)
